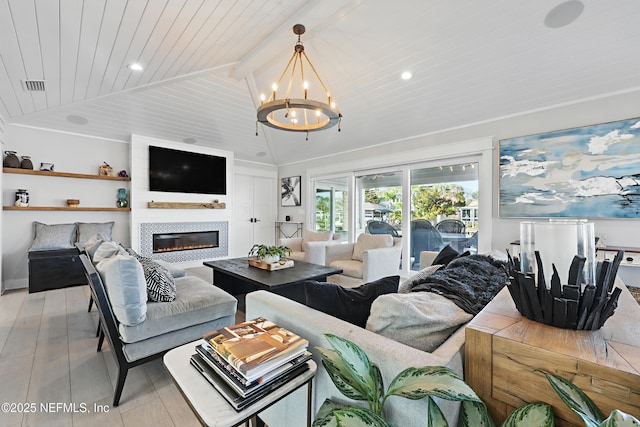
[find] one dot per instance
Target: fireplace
(185, 241)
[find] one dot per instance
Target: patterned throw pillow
(161, 287)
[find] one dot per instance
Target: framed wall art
(290, 191)
(587, 172)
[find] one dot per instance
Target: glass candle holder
(558, 241)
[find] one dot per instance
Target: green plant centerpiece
(357, 378)
(269, 254)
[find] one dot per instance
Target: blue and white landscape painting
(588, 172)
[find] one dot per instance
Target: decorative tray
(254, 262)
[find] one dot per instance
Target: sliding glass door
(430, 205)
(444, 209)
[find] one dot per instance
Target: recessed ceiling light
(406, 75)
(564, 14)
(135, 67)
(189, 140)
(77, 120)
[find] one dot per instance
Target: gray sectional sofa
(391, 356)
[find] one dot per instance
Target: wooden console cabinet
(503, 350)
(55, 269)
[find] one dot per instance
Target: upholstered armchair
(371, 257)
(310, 247)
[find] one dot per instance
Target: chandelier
(294, 111)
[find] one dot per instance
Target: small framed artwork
(290, 191)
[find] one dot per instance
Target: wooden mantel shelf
(64, 174)
(185, 205)
(61, 208)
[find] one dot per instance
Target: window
(332, 205)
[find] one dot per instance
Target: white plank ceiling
(206, 62)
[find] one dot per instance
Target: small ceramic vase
(11, 161)
(26, 162)
(122, 198)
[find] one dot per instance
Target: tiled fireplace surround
(148, 229)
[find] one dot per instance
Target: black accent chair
(381, 227)
(424, 237)
(108, 321)
(454, 226)
(214, 307)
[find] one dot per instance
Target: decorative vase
(26, 162)
(271, 259)
(22, 198)
(122, 198)
(11, 161)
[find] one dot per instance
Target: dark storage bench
(55, 269)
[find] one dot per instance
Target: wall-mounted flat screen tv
(186, 172)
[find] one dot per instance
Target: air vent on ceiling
(34, 85)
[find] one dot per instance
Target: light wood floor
(48, 356)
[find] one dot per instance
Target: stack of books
(246, 361)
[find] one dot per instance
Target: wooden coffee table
(237, 277)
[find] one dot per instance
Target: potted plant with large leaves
(359, 379)
(585, 408)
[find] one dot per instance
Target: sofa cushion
(406, 286)
(197, 301)
(316, 236)
(55, 236)
(370, 241)
(349, 304)
(349, 267)
(174, 270)
(123, 278)
(421, 320)
(86, 230)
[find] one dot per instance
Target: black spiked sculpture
(566, 306)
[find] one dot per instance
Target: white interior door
(254, 213)
(264, 210)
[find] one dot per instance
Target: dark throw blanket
(471, 281)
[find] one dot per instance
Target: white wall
(140, 195)
(616, 107)
(69, 153)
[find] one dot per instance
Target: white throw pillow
(123, 278)
(370, 241)
(421, 320)
(107, 250)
